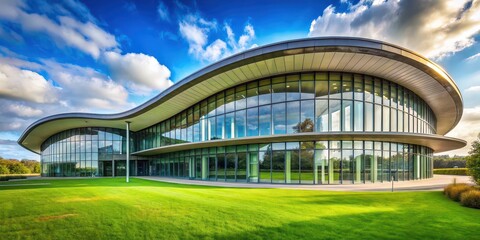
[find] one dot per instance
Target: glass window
(241, 166)
(358, 116)
(230, 160)
(358, 87)
(306, 165)
(368, 89)
(252, 97)
(220, 134)
(335, 89)
(334, 167)
(252, 122)
(265, 166)
(347, 166)
(386, 93)
(229, 126)
(321, 88)
(378, 118)
(335, 115)
(368, 117)
(211, 106)
(221, 167)
(293, 117)
(321, 115)
(278, 92)
(279, 114)
(212, 168)
(292, 166)
(211, 129)
(307, 116)
(347, 87)
(386, 119)
(347, 112)
(293, 87)
(230, 100)
(264, 92)
(393, 119)
(240, 97)
(220, 103)
(308, 88)
(240, 123)
(265, 120)
(378, 90)
(393, 95)
(278, 166)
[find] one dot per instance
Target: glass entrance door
(142, 168)
(120, 168)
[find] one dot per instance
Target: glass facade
(280, 105)
(296, 103)
(89, 152)
(320, 162)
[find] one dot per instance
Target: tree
(4, 170)
(18, 168)
(305, 126)
(473, 161)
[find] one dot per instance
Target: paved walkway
(433, 184)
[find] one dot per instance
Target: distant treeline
(445, 161)
(14, 166)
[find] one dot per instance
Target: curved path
(438, 182)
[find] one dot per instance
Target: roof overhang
(356, 55)
(436, 142)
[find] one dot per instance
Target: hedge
(451, 171)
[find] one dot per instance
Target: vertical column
(288, 167)
(330, 171)
(374, 168)
(191, 165)
(204, 167)
(128, 152)
(358, 169)
(316, 162)
(417, 166)
(253, 175)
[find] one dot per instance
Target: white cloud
(66, 30)
(162, 11)
(215, 50)
(23, 110)
(144, 72)
(195, 31)
(467, 129)
(433, 28)
(25, 85)
(473, 89)
(473, 57)
(84, 88)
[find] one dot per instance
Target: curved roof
(357, 55)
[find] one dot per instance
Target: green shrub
(470, 198)
(453, 191)
(450, 171)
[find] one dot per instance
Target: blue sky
(109, 56)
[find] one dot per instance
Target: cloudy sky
(109, 56)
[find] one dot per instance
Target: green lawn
(107, 208)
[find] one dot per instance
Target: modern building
(310, 111)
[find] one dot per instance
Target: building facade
(309, 111)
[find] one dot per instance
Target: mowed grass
(107, 208)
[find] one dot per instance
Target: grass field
(106, 208)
